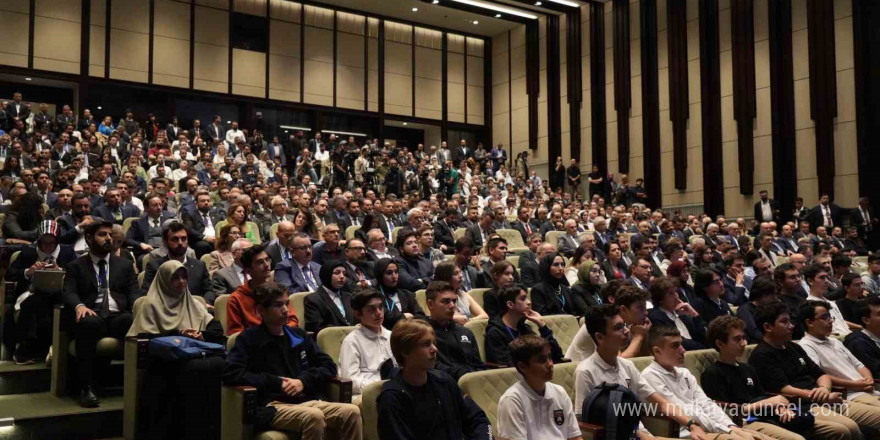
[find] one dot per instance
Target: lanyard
(388, 301)
(510, 332)
(560, 297)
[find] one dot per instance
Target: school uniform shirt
(363, 352)
(593, 371)
(835, 359)
(839, 325)
(524, 414)
(680, 387)
(582, 346)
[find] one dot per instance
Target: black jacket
(457, 352)
(545, 301)
(865, 350)
(408, 304)
(589, 295)
(197, 273)
(258, 360)
(322, 312)
(27, 258)
(528, 271)
(81, 284)
(696, 327)
(443, 234)
(465, 420)
(499, 337)
(412, 270)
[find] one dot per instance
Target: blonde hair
(406, 335)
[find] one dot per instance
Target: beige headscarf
(166, 310)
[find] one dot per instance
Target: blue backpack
(175, 348)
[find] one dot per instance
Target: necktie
(528, 228)
(466, 284)
(102, 287)
(156, 223)
(359, 273)
(307, 273)
(827, 212)
(206, 220)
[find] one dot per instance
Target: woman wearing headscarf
(174, 394)
(399, 303)
(552, 296)
(590, 280)
(330, 305)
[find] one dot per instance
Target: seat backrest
(563, 375)
(127, 224)
(422, 300)
(14, 257)
(349, 231)
(206, 259)
(370, 410)
(253, 226)
(693, 238)
(478, 328)
(273, 231)
(477, 295)
(564, 328)
(552, 237)
(297, 302)
(231, 341)
(513, 237)
(145, 262)
(514, 260)
(458, 233)
(141, 277)
(220, 309)
(697, 361)
(220, 225)
(394, 234)
(330, 340)
(642, 362)
(486, 388)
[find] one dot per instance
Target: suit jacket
(322, 312)
(696, 327)
(27, 258)
(816, 218)
(412, 270)
(140, 229)
(346, 220)
(859, 222)
(521, 227)
(443, 234)
(475, 234)
(67, 224)
(290, 276)
(223, 282)
(314, 145)
(195, 225)
(81, 284)
(545, 302)
(567, 244)
(609, 272)
(758, 214)
(351, 276)
(477, 280)
(199, 281)
(528, 271)
(276, 253)
(733, 294)
(106, 213)
(787, 245)
(408, 304)
(22, 113)
(216, 132)
(173, 132)
(386, 228)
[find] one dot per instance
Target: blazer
(27, 258)
(386, 228)
(223, 282)
(521, 227)
(528, 271)
(787, 245)
(412, 270)
(475, 234)
(351, 276)
(443, 234)
(218, 132)
(81, 284)
(12, 228)
(567, 244)
(696, 327)
(172, 132)
(322, 312)
(106, 213)
(199, 133)
(733, 294)
(758, 212)
(290, 276)
(609, 272)
(195, 226)
(140, 229)
(708, 310)
(816, 218)
(545, 302)
(346, 220)
(408, 304)
(276, 254)
(199, 281)
(67, 223)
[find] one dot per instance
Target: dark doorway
(409, 138)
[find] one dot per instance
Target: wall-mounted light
(27, 79)
(291, 127)
(347, 133)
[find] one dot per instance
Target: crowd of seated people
(188, 216)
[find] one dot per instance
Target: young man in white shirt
(366, 348)
(841, 366)
(610, 333)
(534, 408)
(676, 384)
(817, 277)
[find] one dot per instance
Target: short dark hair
(779, 272)
(720, 327)
(525, 347)
(404, 235)
(659, 287)
(463, 243)
(172, 227)
(769, 313)
(493, 242)
(807, 310)
(509, 293)
(250, 254)
(99, 223)
(610, 290)
(874, 258)
(363, 295)
(848, 278)
(863, 310)
(762, 286)
(812, 270)
(840, 261)
(597, 318)
(267, 292)
(658, 332)
(436, 288)
(629, 295)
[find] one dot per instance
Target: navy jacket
(696, 327)
(257, 360)
(865, 350)
(465, 420)
(499, 337)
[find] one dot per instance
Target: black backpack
(599, 409)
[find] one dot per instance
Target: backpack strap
(615, 397)
(591, 398)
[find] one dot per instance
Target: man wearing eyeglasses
(330, 248)
(358, 271)
(817, 278)
(298, 273)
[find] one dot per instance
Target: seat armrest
(136, 351)
(590, 431)
(661, 426)
(339, 389)
(60, 350)
(493, 365)
(238, 405)
(135, 365)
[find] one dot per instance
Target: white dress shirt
(679, 324)
(231, 135)
(363, 352)
(679, 386)
(835, 359)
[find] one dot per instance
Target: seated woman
(366, 348)
(581, 254)
(591, 278)
(305, 222)
(174, 394)
(466, 307)
(237, 215)
(399, 303)
(502, 276)
(614, 266)
(222, 255)
(679, 270)
(23, 219)
(552, 296)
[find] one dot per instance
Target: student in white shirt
(534, 408)
(840, 365)
(366, 348)
(632, 305)
(676, 384)
(610, 333)
(817, 277)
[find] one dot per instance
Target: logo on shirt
(750, 382)
(464, 338)
(558, 417)
(302, 355)
(804, 363)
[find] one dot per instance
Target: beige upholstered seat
(477, 295)
(370, 411)
(478, 328)
(330, 340)
(220, 309)
(486, 387)
(422, 300)
(514, 260)
(552, 237)
(297, 303)
(349, 231)
(564, 328)
(459, 233)
(514, 240)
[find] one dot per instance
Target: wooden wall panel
(57, 31)
(284, 60)
(248, 73)
(171, 43)
(211, 50)
(318, 68)
(97, 38)
(14, 14)
(350, 70)
(429, 86)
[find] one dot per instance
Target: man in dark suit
(480, 232)
(825, 214)
(65, 118)
(173, 130)
(766, 210)
(282, 248)
(72, 225)
(277, 215)
(330, 305)
(863, 218)
(197, 132)
(42, 188)
(315, 143)
(735, 292)
(462, 152)
(145, 234)
(299, 273)
(523, 223)
(443, 230)
(33, 325)
(112, 209)
(216, 130)
(387, 219)
(787, 242)
(468, 261)
(175, 238)
(99, 291)
(199, 223)
(17, 110)
(352, 216)
(528, 267)
(359, 271)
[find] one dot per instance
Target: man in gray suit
(176, 239)
(226, 280)
(299, 273)
(569, 242)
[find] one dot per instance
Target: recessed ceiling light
(476, 22)
(404, 123)
(537, 3)
(566, 3)
(100, 108)
(415, 9)
(497, 15)
(27, 79)
(435, 1)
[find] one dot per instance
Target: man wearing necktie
(99, 291)
(298, 273)
(199, 224)
(357, 267)
(825, 214)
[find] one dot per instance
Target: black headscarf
(379, 274)
(326, 273)
(544, 270)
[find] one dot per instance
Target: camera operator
(394, 179)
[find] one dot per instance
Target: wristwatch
(690, 423)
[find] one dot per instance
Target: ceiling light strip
(566, 3)
(496, 8)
